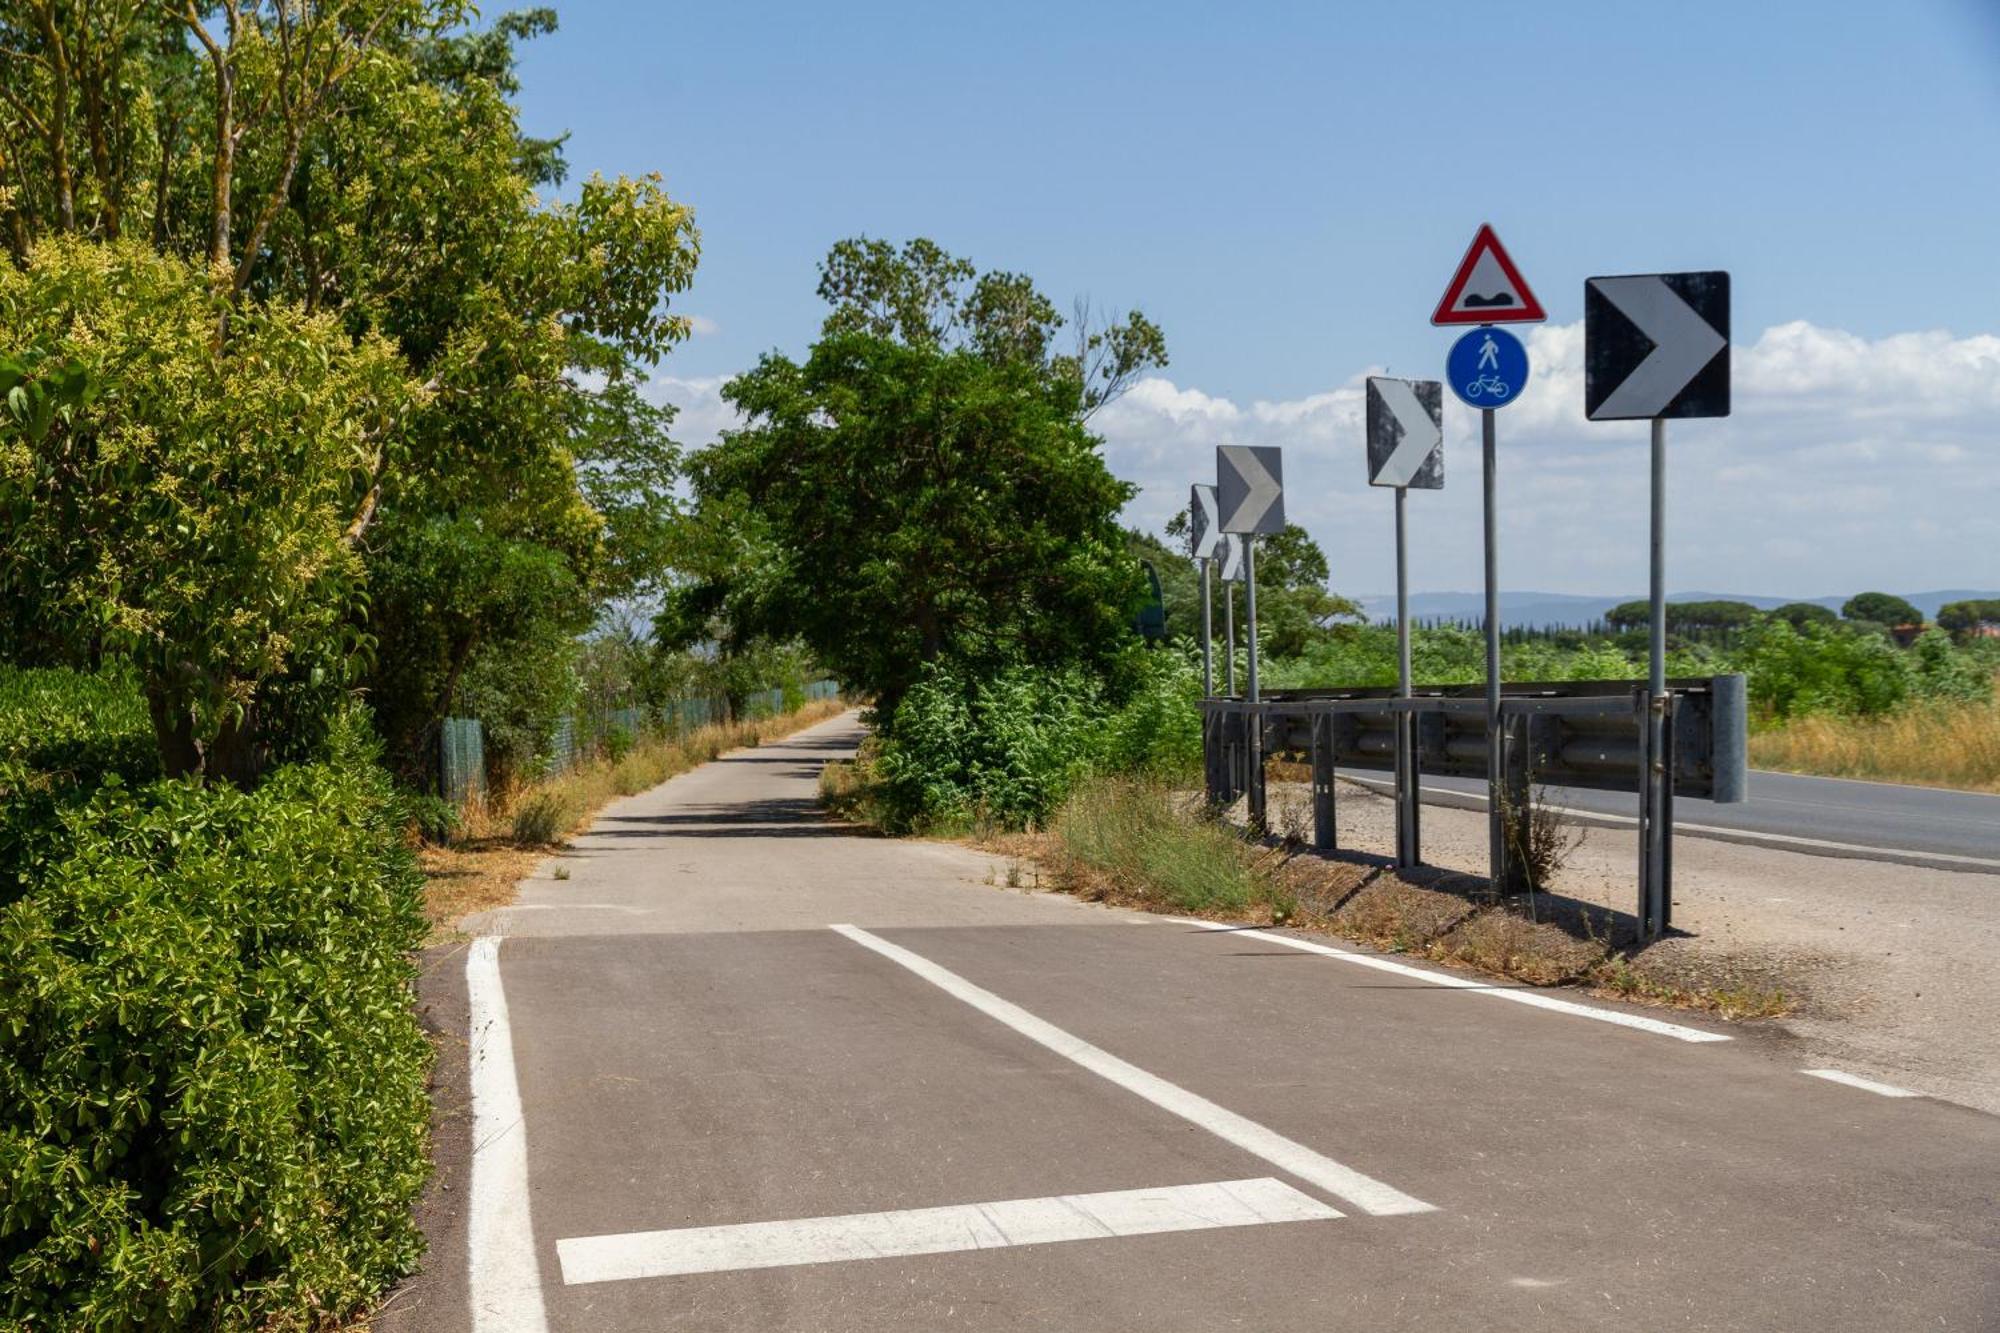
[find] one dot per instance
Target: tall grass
(1136, 838)
(1935, 744)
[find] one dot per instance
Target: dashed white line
(1364, 1192)
(1865, 1084)
(1528, 997)
(503, 1279)
(967, 1226)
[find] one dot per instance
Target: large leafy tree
(362, 160)
(181, 497)
(1880, 608)
(922, 487)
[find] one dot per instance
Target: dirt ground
(1894, 966)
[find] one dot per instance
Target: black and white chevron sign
(1204, 527)
(1231, 551)
(1250, 484)
(1405, 433)
(1656, 345)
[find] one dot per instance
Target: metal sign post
(1405, 428)
(1250, 493)
(1204, 532)
(1207, 637)
(1487, 369)
(1231, 547)
(1655, 346)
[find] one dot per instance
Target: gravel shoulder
(1892, 964)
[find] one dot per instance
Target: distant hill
(1557, 608)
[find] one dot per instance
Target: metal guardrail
(1573, 734)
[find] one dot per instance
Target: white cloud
(701, 326)
(1849, 462)
(700, 413)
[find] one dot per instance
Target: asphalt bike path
(743, 1069)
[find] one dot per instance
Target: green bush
(1822, 669)
(1007, 748)
(1941, 670)
(212, 1082)
(1158, 728)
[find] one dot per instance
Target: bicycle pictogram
(1491, 386)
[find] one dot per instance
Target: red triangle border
(1529, 312)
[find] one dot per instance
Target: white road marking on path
(1865, 1084)
(503, 1279)
(1364, 1192)
(965, 1226)
(1529, 997)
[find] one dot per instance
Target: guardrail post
(1515, 815)
(1409, 849)
(1253, 723)
(1324, 837)
(1656, 816)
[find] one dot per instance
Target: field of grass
(497, 845)
(1933, 745)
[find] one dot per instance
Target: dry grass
(500, 844)
(1139, 845)
(1936, 745)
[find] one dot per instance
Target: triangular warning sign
(1488, 289)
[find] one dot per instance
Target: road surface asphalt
(698, 1105)
(1929, 826)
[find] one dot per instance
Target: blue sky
(1286, 189)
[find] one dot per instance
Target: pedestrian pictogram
(1487, 368)
(1488, 289)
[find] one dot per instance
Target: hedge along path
(484, 868)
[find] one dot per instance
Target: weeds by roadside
(1144, 845)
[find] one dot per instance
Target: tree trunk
(173, 731)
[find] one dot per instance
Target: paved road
(740, 1071)
(1825, 816)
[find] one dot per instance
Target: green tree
(186, 499)
(1294, 606)
(1962, 618)
(922, 488)
(363, 159)
(1800, 614)
(1880, 608)
(1688, 618)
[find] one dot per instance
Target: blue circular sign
(1488, 367)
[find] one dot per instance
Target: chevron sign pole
(1250, 488)
(1204, 533)
(1405, 425)
(1655, 346)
